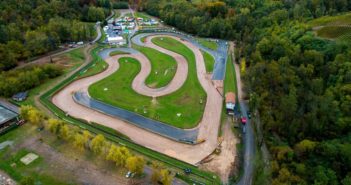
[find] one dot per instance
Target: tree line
(18, 80)
(298, 83)
(32, 27)
(83, 140)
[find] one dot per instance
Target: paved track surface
(208, 127)
(177, 134)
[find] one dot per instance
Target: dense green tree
(30, 28)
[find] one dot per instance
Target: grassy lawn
(142, 15)
(128, 15)
(230, 78)
(186, 100)
(70, 61)
(122, 94)
(163, 67)
(45, 170)
(20, 170)
(207, 43)
(103, 36)
(209, 61)
(10, 159)
(98, 64)
(191, 92)
(344, 19)
(334, 27)
(335, 32)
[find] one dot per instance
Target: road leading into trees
(208, 127)
(248, 136)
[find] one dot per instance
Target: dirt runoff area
(74, 169)
(5, 179)
(223, 163)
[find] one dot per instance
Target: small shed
(21, 96)
(230, 101)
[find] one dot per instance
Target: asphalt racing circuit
(182, 144)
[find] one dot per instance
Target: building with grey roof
(8, 118)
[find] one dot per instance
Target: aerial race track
(182, 144)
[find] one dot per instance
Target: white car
(129, 173)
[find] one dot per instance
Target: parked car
(243, 120)
(187, 170)
(129, 173)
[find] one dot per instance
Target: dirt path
(223, 163)
(6, 179)
(87, 60)
(74, 169)
(209, 125)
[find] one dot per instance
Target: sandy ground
(5, 179)
(189, 153)
(223, 163)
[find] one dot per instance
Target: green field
(186, 100)
(142, 15)
(98, 64)
(11, 164)
(163, 67)
(344, 19)
(230, 78)
(333, 27)
(209, 61)
(209, 44)
(335, 32)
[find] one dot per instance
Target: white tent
(115, 39)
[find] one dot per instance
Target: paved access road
(249, 136)
(208, 127)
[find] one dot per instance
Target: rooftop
(230, 97)
(20, 96)
(6, 114)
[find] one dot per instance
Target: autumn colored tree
(53, 125)
(79, 141)
(135, 164)
(167, 178)
(98, 144)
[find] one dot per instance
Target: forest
(18, 80)
(29, 28)
(299, 84)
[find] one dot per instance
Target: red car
(243, 120)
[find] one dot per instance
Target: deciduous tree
(135, 164)
(98, 144)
